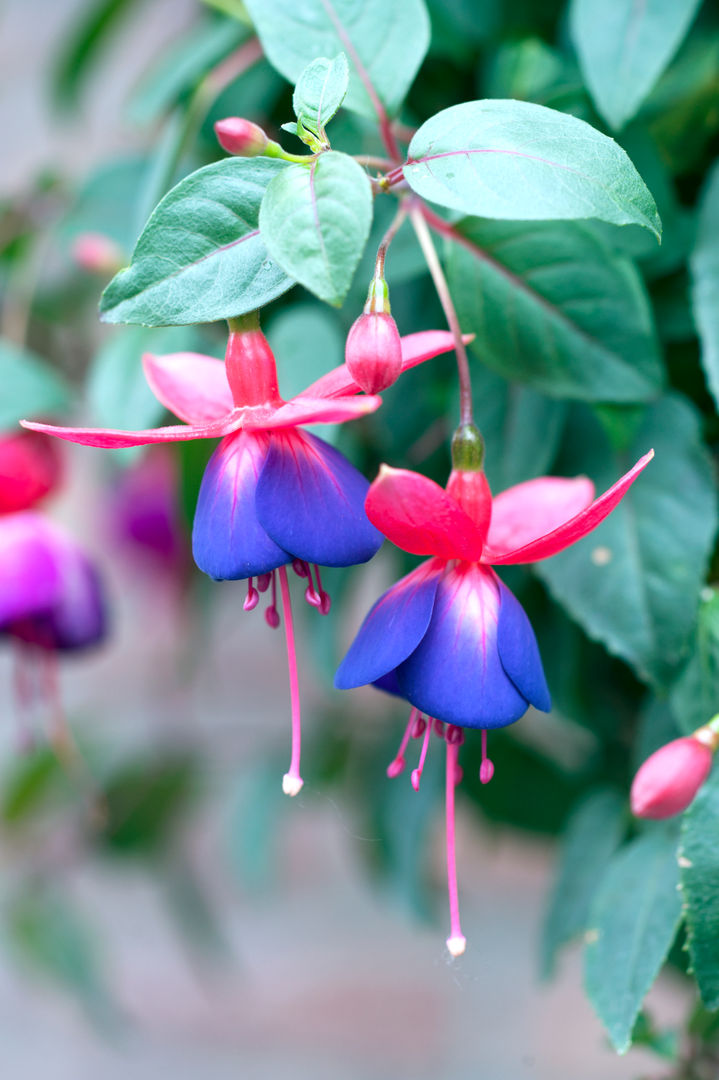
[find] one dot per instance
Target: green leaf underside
(200, 257)
(320, 92)
(623, 49)
(30, 388)
(385, 42)
(552, 306)
(699, 870)
(315, 222)
(694, 697)
(634, 583)
(705, 281)
(523, 162)
(593, 834)
(633, 923)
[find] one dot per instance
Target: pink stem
(456, 941)
(291, 781)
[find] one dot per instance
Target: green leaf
(634, 583)
(524, 162)
(633, 923)
(699, 870)
(200, 257)
(88, 38)
(320, 91)
(694, 696)
(593, 834)
(30, 388)
(315, 222)
(552, 306)
(705, 280)
(385, 41)
(623, 49)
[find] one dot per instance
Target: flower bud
(668, 780)
(373, 353)
(97, 253)
(241, 137)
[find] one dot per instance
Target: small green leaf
(705, 280)
(699, 863)
(315, 222)
(523, 162)
(694, 697)
(633, 923)
(623, 49)
(320, 91)
(83, 48)
(200, 257)
(593, 834)
(30, 387)
(552, 306)
(385, 40)
(634, 583)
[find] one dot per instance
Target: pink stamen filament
(291, 781)
(23, 699)
(456, 942)
(272, 615)
(253, 597)
(325, 601)
(312, 596)
(486, 769)
(417, 773)
(59, 732)
(396, 766)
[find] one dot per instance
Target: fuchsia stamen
(23, 700)
(312, 595)
(291, 781)
(325, 601)
(300, 567)
(272, 615)
(456, 942)
(263, 582)
(486, 769)
(417, 773)
(396, 766)
(253, 597)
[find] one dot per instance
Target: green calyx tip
(250, 321)
(467, 449)
(378, 298)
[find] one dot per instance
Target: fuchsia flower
(272, 494)
(450, 637)
(670, 778)
(30, 469)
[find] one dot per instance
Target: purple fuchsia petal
(519, 652)
(392, 630)
(307, 410)
(455, 674)
(310, 500)
(192, 386)
(29, 576)
(228, 541)
(574, 529)
(111, 439)
(77, 618)
(416, 348)
(523, 513)
(421, 517)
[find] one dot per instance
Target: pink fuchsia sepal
(668, 781)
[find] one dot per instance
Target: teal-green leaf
(553, 307)
(623, 49)
(704, 265)
(593, 834)
(633, 923)
(523, 162)
(200, 257)
(385, 42)
(30, 387)
(320, 91)
(699, 870)
(315, 222)
(694, 697)
(634, 583)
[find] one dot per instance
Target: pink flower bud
(374, 352)
(241, 137)
(668, 780)
(97, 253)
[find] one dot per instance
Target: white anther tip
(456, 945)
(292, 785)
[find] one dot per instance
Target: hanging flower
(272, 494)
(450, 637)
(30, 470)
(51, 602)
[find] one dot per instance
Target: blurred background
(162, 905)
